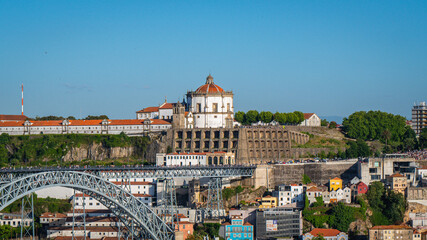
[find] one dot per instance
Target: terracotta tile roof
(392, 227)
(247, 224)
(337, 178)
(210, 88)
(80, 195)
(5, 117)
(53, 215)
(149, 110)
(84, 122)
(325, 232)
(226, 224)
(396, 175)
(167, 105)
(313, 189)
(308, 115)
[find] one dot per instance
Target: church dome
(209, 87)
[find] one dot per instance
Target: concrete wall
(319, 173)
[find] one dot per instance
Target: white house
(311, 120)
(290, 194)
(180, 159)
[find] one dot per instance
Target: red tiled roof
(313, 189)
(324, 232)
(53, 215)
(247, 224)
(226, 223)
(84, 122)
(166, 106)
(308, 115)
(392, 227)
(149, 110)
(397, 175)
(5, 117)
(210, 88)
(337, 178)
(80, 195)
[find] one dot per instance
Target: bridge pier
(215, 208)
(27, 211)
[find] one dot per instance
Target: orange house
(185, 227)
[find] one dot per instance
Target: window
(215, 107)
(198, 107)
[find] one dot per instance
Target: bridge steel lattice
(7, 175)
(123, 204)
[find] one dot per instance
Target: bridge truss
(138, 218)
(123, 204)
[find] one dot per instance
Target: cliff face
(96, 151)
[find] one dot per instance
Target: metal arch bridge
(9, 174)
(93, 181)
(123, 204)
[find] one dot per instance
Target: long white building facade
(106, 126)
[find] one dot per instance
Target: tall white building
(290, 194)
(211, 106)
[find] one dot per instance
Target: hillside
(75, 149)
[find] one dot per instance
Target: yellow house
(268, 202)
(335, 184)
(398, 182)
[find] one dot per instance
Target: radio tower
(22, 100)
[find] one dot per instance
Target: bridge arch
(123, 204)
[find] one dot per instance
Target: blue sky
(116, 57)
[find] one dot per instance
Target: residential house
(335, 184)
(397, 183)
(328, 234)
(401, 232)
(237, 229)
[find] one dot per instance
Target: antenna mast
(22, 99)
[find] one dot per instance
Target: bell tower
(178, 117)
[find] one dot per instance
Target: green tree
(396, 206)
(291, 118)
(332, 125)
(239, 116)
(341, 217)
(90, 117)
(324, 122)
(251, 117)
(306, 179)
(299, 117)
(266, 117)
(375, 195)
(280, 117)
(423, 138)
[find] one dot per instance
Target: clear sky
(116, 57)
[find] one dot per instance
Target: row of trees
(90, 117)
(254, 116)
